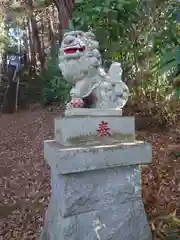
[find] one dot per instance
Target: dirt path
(25, 176)
(24, 173)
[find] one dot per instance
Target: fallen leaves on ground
(161, 181)
(26, 180)
(24, 174)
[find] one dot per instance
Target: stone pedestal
(95, 180)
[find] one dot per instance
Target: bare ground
(25, 177)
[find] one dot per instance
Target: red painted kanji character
(103, 129)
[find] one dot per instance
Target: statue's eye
(113, 85)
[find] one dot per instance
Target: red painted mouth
(74, 50)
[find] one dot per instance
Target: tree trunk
(31, 48)
(64, 9)
(40, 56)
(42, 35)
(53, 38)
(60, 27)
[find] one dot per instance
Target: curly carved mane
(79, 55)
(80, 63)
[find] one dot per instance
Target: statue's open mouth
(71, 50)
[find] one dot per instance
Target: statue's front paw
(75, 103)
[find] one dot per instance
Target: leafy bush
(55, 87)
(167, 227)
(144, 37)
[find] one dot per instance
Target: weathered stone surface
(68, 128)
(80, 159)
(103, 202)
(94, 190)
(95, 185)
(113, 223)
(92, 112)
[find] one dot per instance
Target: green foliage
(167, 41)
(170, 60)
(55, 87)
(144, 37)
(122, 28)
(114, 19)
(172, 229)
(166, 227)
(4, 40)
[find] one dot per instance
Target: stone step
(79, 130)
(64, 160)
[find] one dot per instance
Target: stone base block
(95, 180)
(77, 130)
(125, 222)
(96, 192)
(85, 158)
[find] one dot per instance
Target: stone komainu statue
(81, 65)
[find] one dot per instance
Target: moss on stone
(111, 147)
(130, 137)
(118, 146)
(91, 140)
(58, 131)
(92, 116)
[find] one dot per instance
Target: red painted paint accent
(103, 129)
(77, 103)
